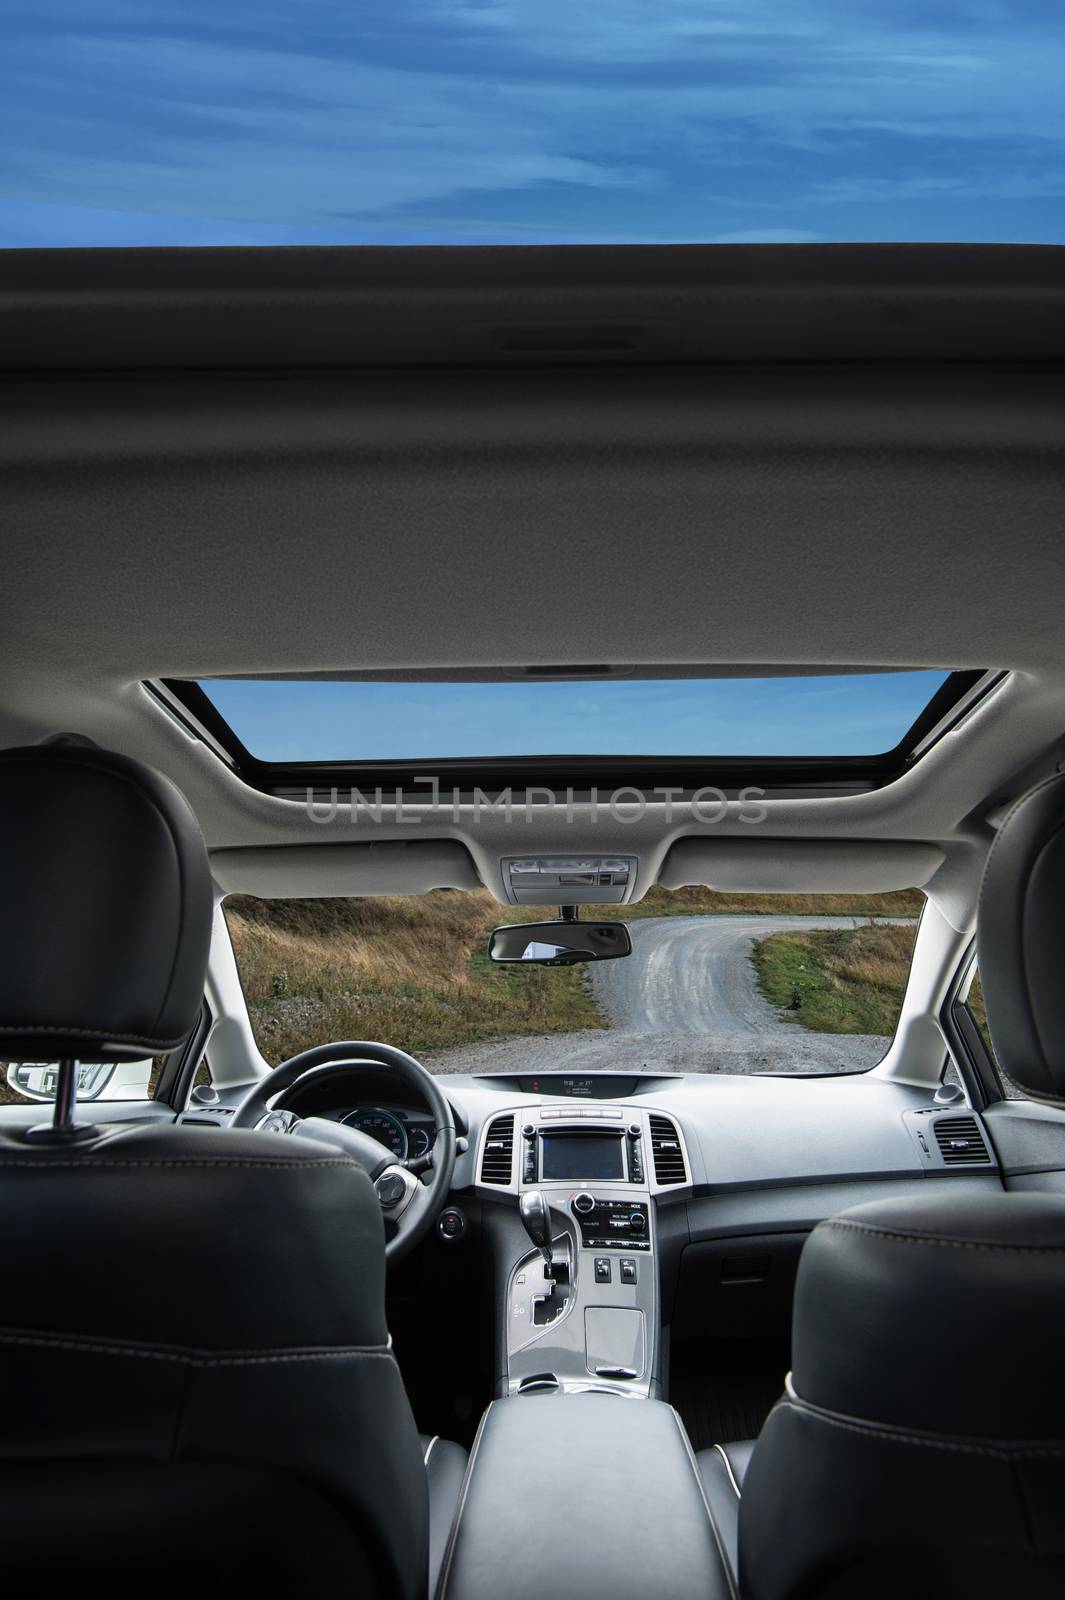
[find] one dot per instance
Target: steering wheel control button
(583, 1204)
(390, 1188)
(451, 1224)
(603, 1273)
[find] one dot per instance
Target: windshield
(176, 122)
(715, 983)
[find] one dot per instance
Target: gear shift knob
(536, 1215)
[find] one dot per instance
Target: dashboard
(736, 1134)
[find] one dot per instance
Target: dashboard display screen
(581, 1156)
(589, 1086)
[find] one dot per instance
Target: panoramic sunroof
(171, 122)
(301, 720)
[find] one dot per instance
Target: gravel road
(686, 1000)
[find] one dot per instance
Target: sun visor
(295, 872)
(798, 866)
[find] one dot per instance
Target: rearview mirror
(558, 944)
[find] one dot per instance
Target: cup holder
(539, 1383)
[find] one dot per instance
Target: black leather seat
(919, 1447)
(197, 1377)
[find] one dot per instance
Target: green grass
(838, 980)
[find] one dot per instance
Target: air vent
(960, 1141)
(667, 1152)
(497, 1159)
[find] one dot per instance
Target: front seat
(919, 1447)
(197, 1378)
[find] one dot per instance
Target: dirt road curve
(684, 1001)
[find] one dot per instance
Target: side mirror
(106, 1080)
(559, 944)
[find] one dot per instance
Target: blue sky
(128, 122)
(859, 714)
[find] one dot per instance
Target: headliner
(800, 456)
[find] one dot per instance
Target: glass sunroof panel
(819, 715)
(176, 122)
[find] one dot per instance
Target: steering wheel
(410, 1205)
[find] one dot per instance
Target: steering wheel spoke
(278, 1122)
(409, 1206)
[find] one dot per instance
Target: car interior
(342, 1319)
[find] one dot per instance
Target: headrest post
(63, 1129)
(66, 1097)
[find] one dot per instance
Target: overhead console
(569, 880)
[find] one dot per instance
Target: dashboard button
(583, 1204)
(451, 1225)
(637, 1222)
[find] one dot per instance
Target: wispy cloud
(419, 119)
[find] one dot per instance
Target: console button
(638, 1222)
(628, 1270)
(583, 1203)
(602, 1269)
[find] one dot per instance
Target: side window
(974, 1005)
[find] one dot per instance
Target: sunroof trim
(956, 698)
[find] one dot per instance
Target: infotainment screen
(581, 1155)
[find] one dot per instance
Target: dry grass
(839, 980)
(659, 902)
(407, 969)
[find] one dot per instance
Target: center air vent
(497, 1159)
(667, 1152)
(960, 1141)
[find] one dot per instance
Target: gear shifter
(536, 1216)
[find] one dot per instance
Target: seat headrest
(107, 909)
(902, 1307)
(918, 1447)
(1020, 940)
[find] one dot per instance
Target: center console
(579, 1496)
(582, 1307)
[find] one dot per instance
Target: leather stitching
(190, 1357)
(902, 1237)
(1003, 1452)
(90, 1165)
(449, 1554)
(726, 1565)
(87, 1033)
(728, 1469)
